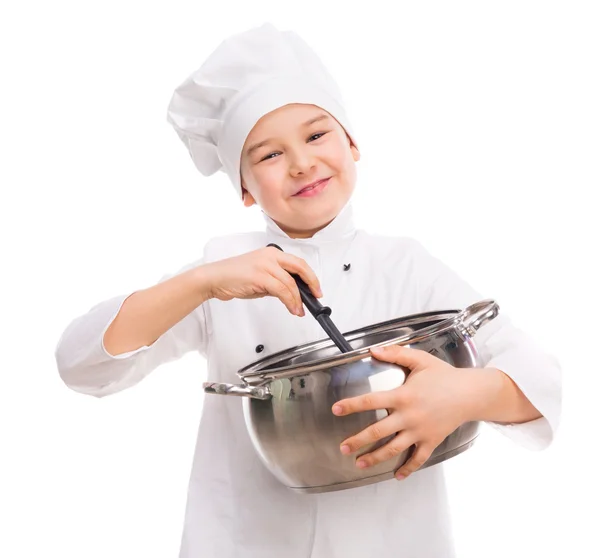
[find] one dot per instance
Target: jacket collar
(341, 227)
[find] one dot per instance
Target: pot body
(290, 395)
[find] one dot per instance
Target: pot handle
(477, 315)
(254, 392)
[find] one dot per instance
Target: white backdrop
(478, 123)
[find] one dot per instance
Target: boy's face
(292, 148)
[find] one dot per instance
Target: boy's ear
(355, 151)
(247, 198)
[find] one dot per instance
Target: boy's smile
(298, 165)
(313, 189)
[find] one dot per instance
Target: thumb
(410, 358)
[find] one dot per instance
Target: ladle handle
(320, 312)
(309, 300)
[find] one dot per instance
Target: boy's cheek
(338, 159)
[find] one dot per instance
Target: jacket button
(259, 348)
(347, 266)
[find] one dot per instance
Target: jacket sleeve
(502, 346)
(85, 365)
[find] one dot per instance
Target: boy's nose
(301, 164)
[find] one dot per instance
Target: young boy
(264, 109)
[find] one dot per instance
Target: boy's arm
(121, 340)
(500, 399)
(532, 375)
(147, 314)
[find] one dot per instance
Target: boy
(265, 110)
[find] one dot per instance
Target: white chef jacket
(236, 508)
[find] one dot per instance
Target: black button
(347, 266)
(259, 348)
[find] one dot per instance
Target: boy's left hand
(435, 399)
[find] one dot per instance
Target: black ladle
(320, 312)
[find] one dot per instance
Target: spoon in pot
(320, 312)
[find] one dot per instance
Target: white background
(479, 130)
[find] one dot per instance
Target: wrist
(486, 387)
(203, 280)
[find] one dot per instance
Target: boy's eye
(316, 136)
(269, 156)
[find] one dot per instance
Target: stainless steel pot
(288, 397)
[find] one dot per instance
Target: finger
(284, 277)
(404, 356)
(392, 450)
(377, 431)
(368, 402)
(278, 289)
(296, 265)
(418, 458)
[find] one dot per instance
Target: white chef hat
(247, 76)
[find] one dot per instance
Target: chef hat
(247, 76)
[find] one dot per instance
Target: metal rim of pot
(256, 378)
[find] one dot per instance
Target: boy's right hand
(263, 272)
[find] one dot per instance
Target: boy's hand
(263, 272)
(435, 399)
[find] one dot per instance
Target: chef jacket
(236, 508)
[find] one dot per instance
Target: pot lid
(406, 330)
